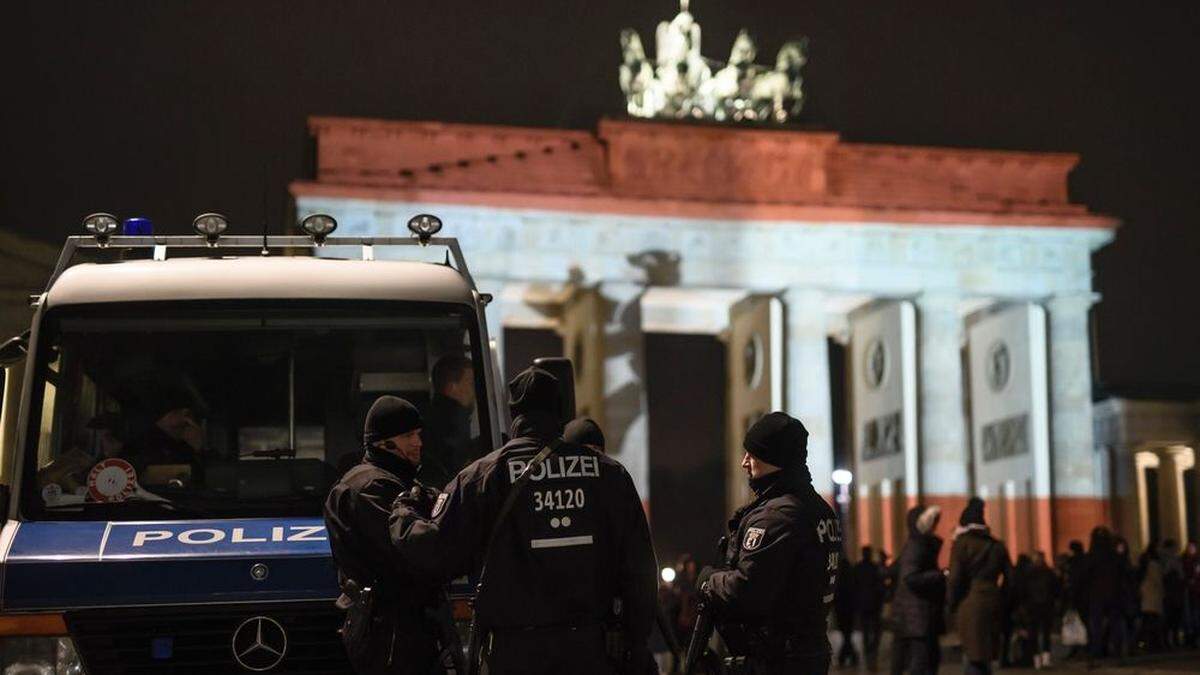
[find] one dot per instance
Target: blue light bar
(137, 227)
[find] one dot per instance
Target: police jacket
(356, 518)
(781, 560)
(575, 540)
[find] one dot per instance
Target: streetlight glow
(842, 477)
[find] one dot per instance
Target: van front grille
(200, 639)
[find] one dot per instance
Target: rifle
(475, 644)
(701, 634)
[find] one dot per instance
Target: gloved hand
(418, 499)
(702, 579)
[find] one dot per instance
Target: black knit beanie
(779, 439)
(533, 390)
(584, 431)
(390, 416)
(973, 513)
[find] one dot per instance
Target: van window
(152, 411)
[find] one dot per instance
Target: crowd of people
(1091, 602)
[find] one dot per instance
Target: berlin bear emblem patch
(754, 537)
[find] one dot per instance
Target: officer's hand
(417, 499)
(702, 586)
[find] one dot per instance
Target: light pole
(843, 478)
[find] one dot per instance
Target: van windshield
(182, 411)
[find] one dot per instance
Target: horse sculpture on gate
(681, 83)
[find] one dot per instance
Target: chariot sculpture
(682, 83)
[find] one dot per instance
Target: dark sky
(170, 108)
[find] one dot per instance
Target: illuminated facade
(956, 284)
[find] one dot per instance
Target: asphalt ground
(1165, 663)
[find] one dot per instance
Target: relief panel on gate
(882, 373)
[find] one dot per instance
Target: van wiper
(275, 453)
(124, 508)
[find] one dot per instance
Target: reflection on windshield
(239, 412)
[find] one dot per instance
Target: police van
(174, 419)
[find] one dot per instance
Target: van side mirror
(14, 349)
(564, 371)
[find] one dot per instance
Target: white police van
(174, 419)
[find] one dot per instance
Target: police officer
(385, 630)
(572, 556)
(773, 595)
(584, 431)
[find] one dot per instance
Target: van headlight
(39, 656)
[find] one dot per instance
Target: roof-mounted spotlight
(210, 226)
(318, 226)
(101, 226)
(424, 226)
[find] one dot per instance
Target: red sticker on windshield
(112, 480)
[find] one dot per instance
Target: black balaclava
(584, 431)
(973, 513)
(389, 416)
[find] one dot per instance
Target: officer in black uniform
(773, 595)
(385, 630)
(571, 559)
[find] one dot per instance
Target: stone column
(944, 443)
(806, 383)
(1173, 506)
(625, 413)
(1078, 504)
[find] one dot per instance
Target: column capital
(803, 295)
(1071, 301)
(939, 298)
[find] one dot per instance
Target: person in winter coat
(1074, 591)
(385, 630)
(919, 602)
(1191, 578)
(1150, 585)
(979, 564)
(1015, 618)
(1174, 594)
(1105, 578)
(555, 568)
(1039, 595)
(870, 582)
(845, 601)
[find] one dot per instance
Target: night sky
(167, 109)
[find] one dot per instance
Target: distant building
(923, 310)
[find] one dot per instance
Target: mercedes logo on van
(259, 643)
(259, 571)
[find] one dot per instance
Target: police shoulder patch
(754, 537)
(440, 504)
